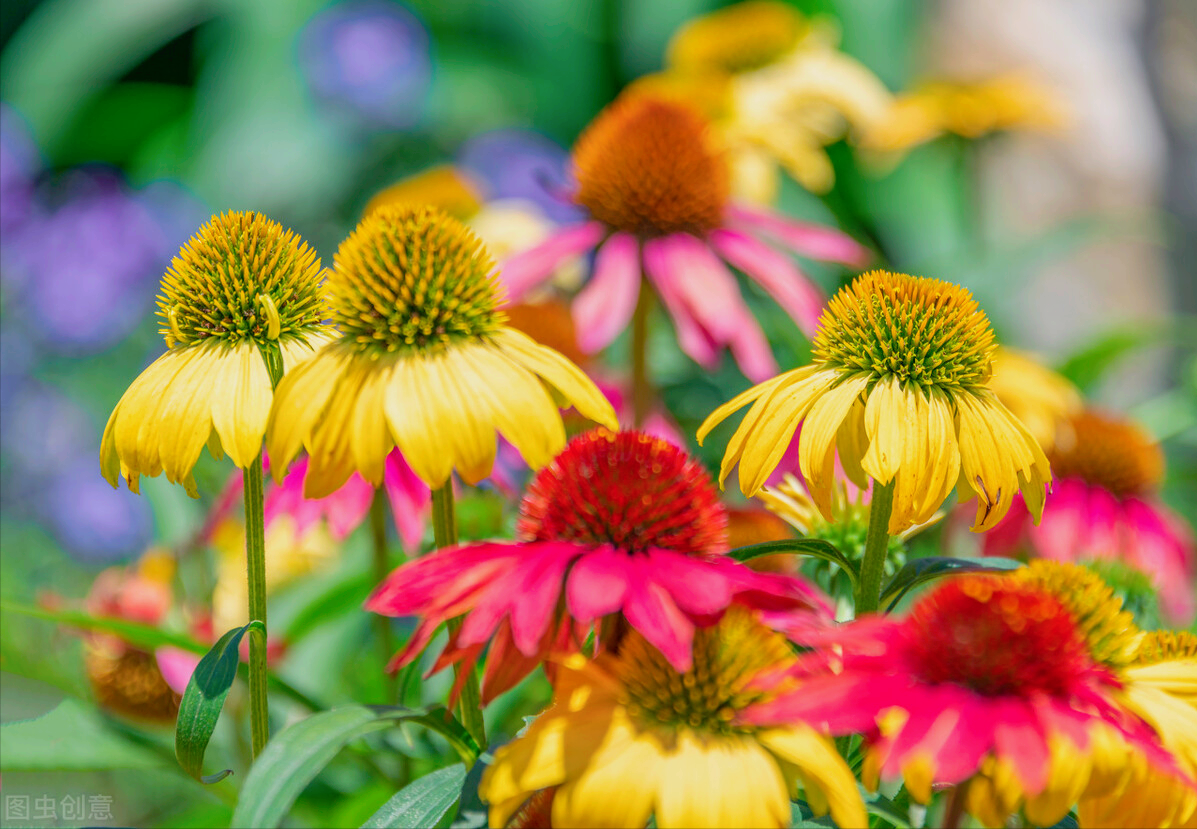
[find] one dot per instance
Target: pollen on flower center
(996, 636)
(923, 331)
(1114, 454)
(1109, 631)
(1165, 645)
(627, 489)
(647, 166)
(738, 38)
(241, 277)
(413, 278)
(727, 657)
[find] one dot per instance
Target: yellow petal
(415, 418)
(137, 414)
(720, 782)
(330, 444)
(886, 422)
(472, 438)
(768, 435)
(562, 374)
(852, 441)
(617, 785)
(184, 421)
(816, 450)
(299, 401)
(743, 399)
(241, 407)
(822, 765)
(369, 438)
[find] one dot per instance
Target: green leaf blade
(421, 803)
(922, 570)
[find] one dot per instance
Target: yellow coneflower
(629, 737)
(1036, 395)
(898, 386)
(424, 361)
(443, 187)
(777, 86)
(241, 292)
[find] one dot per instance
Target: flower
(630, 736)
(898, 386)
(524, 166)
(1104, 506)
(967, 109)
(443, 187)
(777, 88)
(370, 59)
(424, 361)
(655, 187)
(619, 523)
(1036, 395)
(989, 683)
(243, 291)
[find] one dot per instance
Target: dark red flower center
(627, 489)
(1116, 455)
(996, 636)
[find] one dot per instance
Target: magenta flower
(656, 190)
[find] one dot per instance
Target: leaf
(922, 570)
(423, 802)
(813, 547)
(293, 758)
(200, 707)
(73, 737)
(887, 810)
(147, 637)
(343, 597)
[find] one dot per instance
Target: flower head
(424, 361)
(653, 181)
(988, 683)
(668, 741)
(898, 386)
(443, 187)
(738, 38)
(1036, 395)
(242, 292)
(619, 525)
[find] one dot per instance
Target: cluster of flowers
(689, 688)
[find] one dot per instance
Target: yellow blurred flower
(242, 291)
(1036, 395)
(970, 110)
(776, 86)
(424, 361)
(628, 737)
(898, 386)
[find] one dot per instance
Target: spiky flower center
(1166, 645)
(996, 636)
(242, 277)
(441, 187)
(1109, 631)
(727, 658)
(1116, 455)
(413, 278)
(128, 681)
(737, 38)
(627, 489)
(647, 166)
(924, 332)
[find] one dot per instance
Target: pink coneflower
(1103, 505)
(621, 527)
(656, 188)
(989, 684)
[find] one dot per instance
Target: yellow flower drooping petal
(241, 292)
(1036, 395)
(898, 382)
(424, 362)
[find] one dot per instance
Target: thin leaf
(146, 637)
(423, 802)
(922, 570)
(813, 547)
(200, 707)
(294, 757)
(887, 810)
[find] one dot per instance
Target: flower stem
(642, 392)
(954, 809)
(255, 557)
(382, 567)
(444, 529)
(868, 586)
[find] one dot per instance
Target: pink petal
(649, 609)
(1063, 529)
(800, 297)
(418, 585)
(752, 352)
(597, 584)
(805, 238)
(176, 666)
(691, 336)
(410, 498)
(1020, 741)
(348, 507)
(697, 586)
(1006, 537)
(524, 270)
(604, 307)
(1161, 546)
(538, 599)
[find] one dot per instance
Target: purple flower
(371, 59)
(523, 164)
(91, 519)
(19, 165)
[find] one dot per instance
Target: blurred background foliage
(125, 123)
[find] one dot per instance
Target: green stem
(444, 529)
(382, 567)
(255, 556)
(954, 808)
(642, 392)
(868, 588)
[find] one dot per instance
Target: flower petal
(604, 307)
(524, 270)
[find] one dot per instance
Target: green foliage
(421, 803)
(922, 570)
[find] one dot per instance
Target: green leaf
(343, 597)
(922, 570)
(294, 757)
(813, 547)
(887, 810)
(73, 737)
(423, 802)
(200, 707)
(147, 637)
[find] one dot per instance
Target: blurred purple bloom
(523, 164)
(371, 58)
(91, 519)
(19, 165)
